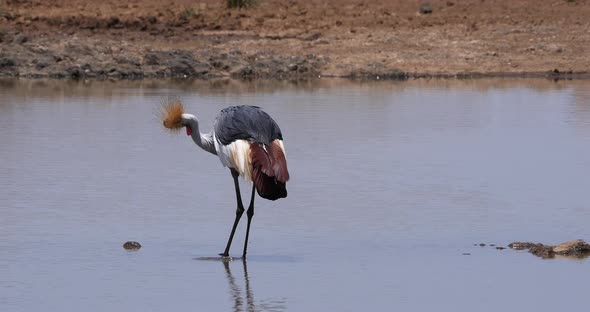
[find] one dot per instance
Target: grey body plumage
(246, 123)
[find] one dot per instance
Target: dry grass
(171, 114)
(238, 4)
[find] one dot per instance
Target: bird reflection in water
(244, 300)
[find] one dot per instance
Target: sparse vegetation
(2, 15)
(188, 13)
(2, 33)
(2, 8)
(238, 4)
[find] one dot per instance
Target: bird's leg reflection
(235, 290)
(249, 296)
(237, 294)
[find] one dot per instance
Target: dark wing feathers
(269, 171)
(246, 123)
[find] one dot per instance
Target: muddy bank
(77, 58)
(371, 39)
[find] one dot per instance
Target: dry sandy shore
(294, 39)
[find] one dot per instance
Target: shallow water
(391, 183)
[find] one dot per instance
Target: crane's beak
(189, 131)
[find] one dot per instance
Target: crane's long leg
(239, 212)
(250, 214)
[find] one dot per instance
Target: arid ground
(286, 39)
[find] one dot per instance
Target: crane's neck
(204, 141)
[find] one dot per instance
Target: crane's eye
(189, 131)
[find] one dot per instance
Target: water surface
(391, 183)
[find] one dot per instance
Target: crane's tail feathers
(171, 114)
(269, 170)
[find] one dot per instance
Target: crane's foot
(225, 258)
(225, 255)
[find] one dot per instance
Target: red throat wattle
(189, 131)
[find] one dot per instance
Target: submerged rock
(573, 248)
(521, 245)
(576, 248)
(540, 250)
(132, 245)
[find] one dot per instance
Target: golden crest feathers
(171, 114)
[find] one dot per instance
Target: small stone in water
(482, 244)
(132, 245)
(500, 248)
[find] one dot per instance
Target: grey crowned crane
(248, 142)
